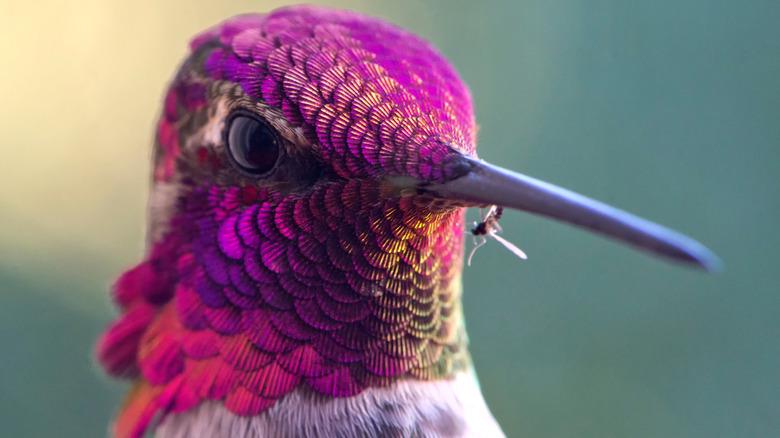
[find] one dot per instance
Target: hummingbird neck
(252, 294)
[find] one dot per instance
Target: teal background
(669, 109)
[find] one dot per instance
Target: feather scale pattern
(253, 292)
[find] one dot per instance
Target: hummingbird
(306, 235)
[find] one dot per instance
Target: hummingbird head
(292, 240)
(306, 219)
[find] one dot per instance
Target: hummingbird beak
(482, 183)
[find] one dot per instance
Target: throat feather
(337, 290)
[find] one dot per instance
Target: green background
(669, 109)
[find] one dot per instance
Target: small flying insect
(489, 227)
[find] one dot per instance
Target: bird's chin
(412, 191)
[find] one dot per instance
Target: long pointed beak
(486, 184)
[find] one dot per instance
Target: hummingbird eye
(252, 143)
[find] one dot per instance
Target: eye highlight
(252, 143)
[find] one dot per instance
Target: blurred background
(669, 109)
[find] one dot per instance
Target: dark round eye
(252, 143)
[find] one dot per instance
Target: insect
(489, 227)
